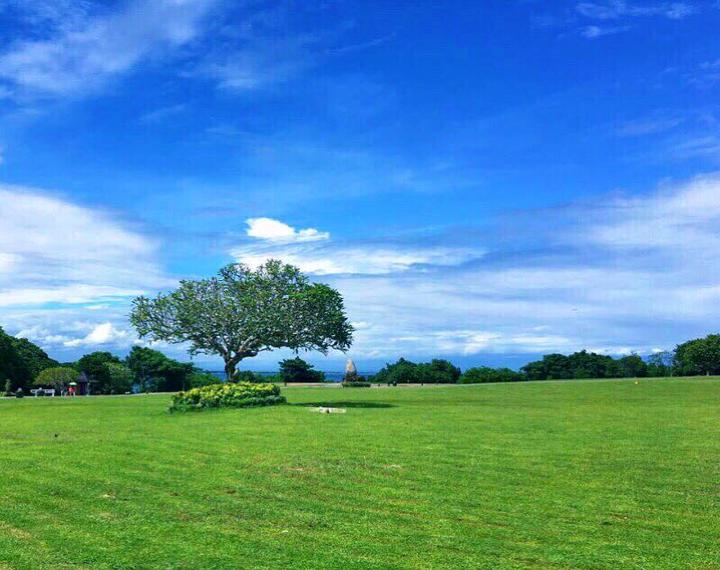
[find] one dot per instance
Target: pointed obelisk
(350, 371)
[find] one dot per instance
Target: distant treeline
(24, 364)
(695, 357)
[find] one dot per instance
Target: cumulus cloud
(86, 50)
(277, 231)
(102, 334)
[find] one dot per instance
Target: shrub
(356, 384)
(227, 395)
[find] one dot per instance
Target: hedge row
(228, 395)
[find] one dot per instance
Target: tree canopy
(437, 371)
(243, 312)
(13, 369)
(297, 370)
(58, 377)
(152, 369)
(35, 358)
(699, 356)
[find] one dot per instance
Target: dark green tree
(152, 368)
(438, 371)
(632, 366)
(484, 374)
(35, 358)
(94, 365)
(243, 312)
(12, 366)
(699, 356)
(120, 378)
(297, 370)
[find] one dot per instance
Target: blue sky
(482, 181)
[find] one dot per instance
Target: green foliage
(154, 371)
(58, 377)
(632, 366)
(243, 312)
(120, 378)
(227, 395)
(297, 370)
(581, 364)
(485, 374)
(406, 372)
(12, 366)
(699, 356)
(356, 384)
(253, 377)
(660, 364)
(94, 365)
(35, 358)
(199, 379)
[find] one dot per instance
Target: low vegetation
(227, 395)
(582, 475)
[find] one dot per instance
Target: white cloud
(281, 241)
(366, 260)
(60, 260)
(277, 231)
(86, 51)
(619, 275)
(102, 334)
(57, 251)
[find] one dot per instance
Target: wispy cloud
(592, 32)
(87, 50)
(259, 63)
(163, 113)
(616, 9)
(648, 126)
(57, 258)
(615, 275)
(275, 239)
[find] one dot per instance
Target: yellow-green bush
(227, 395)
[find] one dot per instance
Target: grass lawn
(576, 474)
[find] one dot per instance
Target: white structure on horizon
(350, 369)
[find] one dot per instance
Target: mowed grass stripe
(576, 474)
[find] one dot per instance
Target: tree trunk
(230, 369)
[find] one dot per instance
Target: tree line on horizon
(23, 364)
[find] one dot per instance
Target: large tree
(243, 312)
(94, 365)
(699, 356)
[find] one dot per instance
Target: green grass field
(576, 474)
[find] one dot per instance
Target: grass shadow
(366, 405)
